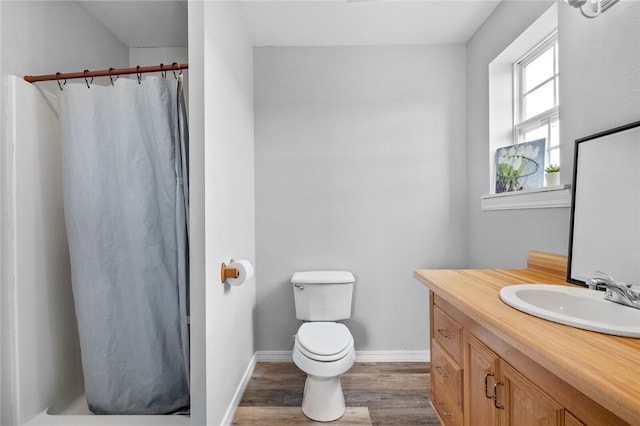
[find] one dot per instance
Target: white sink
(574, 306)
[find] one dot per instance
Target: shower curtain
(125, 182)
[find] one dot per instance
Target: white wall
(39, 38)
(601, 59)
(599, 89)
(46, 369)
(222, 135)
(4, 369)
(4, 366)
(502, 238)
(42, 37)
(360, 165)
(157, 55)
(197, 215)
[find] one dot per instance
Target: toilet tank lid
(323, 277)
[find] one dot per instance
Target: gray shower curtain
(126, 208)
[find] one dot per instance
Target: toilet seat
(324, 341)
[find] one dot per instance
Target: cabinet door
(480, 367)
(571, 420)
(524, 403)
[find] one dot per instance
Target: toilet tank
(322, 295)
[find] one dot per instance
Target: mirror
(605, 208)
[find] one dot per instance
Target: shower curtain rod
(106, 73)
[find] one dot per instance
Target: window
(523, 106)
(536, 98)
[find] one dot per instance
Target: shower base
(77, 414)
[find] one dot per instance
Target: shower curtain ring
(58, 80)
(163, 73)
(173, 65)
(138, 73)
(87, 81)
(111, 76)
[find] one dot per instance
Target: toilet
(323, 348)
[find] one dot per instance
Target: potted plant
(552, 175)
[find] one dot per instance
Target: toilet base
(323, 400)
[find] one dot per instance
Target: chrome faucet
(616, 291)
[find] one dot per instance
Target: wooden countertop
(604, 368)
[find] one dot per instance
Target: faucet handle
(601, 281)
(604, 275)
(610, 280)
(595, 283)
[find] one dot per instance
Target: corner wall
(599, 89)
(197, 273)
(5, 399)
(226, 125)
(360, 166)
(502, 238)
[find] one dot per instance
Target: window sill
(544, 198)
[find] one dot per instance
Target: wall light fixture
(591, 8)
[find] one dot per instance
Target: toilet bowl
(323, 348)
(324, 351)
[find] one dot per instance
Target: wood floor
(375, 394)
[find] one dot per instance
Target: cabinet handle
(441, 372)
(495, 396)
(444, 413)
(443, 333)
(486, 385)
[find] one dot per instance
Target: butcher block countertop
(604, 368)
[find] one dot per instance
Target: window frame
(547, 117)
(501, 90)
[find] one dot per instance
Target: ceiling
(145, 23)
(357, 23)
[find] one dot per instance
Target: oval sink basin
(574, 306)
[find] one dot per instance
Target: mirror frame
(574, 188)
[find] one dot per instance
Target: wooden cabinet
(472, 385)
(571, 420)
(447, 373)
(480, 377)
(498, 394)
(524, 404)
(549, 373)
(448, 333)
(446, 370)
(446, 380)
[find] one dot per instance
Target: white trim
(9, 391)
(237, 397)
(361, 356)
(274, 356)
(543, 198)
(3, 389)
(393, 356)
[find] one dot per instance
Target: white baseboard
(393, 356)
(361, 356)
(237, 397)
(274, 356)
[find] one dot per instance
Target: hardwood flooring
(375, 393)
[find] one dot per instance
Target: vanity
(492, 364)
